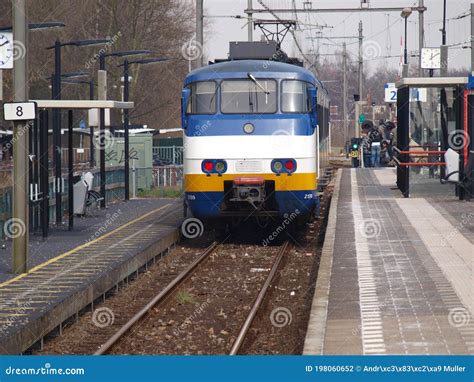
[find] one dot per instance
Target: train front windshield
(248, 97)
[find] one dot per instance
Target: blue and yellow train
(256, 136)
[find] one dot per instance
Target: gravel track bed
(91, 330)
(205, 314)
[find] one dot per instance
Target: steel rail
(157, 299)
(258, 301)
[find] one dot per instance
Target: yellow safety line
(54, 259)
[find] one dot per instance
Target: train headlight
(207, 166)
(249, 128)
(220, 167)
(277, 166)
(214, 166)
(289, 165)
(280, 166)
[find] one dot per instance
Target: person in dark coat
(376, 139)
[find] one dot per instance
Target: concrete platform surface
(396, 274)
(72, 269)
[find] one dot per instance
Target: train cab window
(248, 97)
(295, 97)
(203, 98)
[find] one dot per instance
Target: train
(256, 138)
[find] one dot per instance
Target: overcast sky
(380, 41)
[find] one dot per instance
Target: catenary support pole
(126, 126)
(57, 133)
(19, 220)
(91, 128)
(199, 33)
(421, 32)
(44, 173)
(344, 95)
(250, 21)
(70, 163)
(102, 95)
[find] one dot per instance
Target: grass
(184, 297)
(162, 192)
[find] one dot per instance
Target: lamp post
(126, 121)
(57, 116)
(103, 86)
(406, 12)
(444, 47)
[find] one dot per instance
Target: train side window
(203, 98)
(295, 97)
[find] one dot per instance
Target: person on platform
(376, 139)
(366, 150)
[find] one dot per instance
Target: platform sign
(390, 93)
(94, 117)
(19, 111)
(418, 94)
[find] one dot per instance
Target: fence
(174, 154)
(168, 176)
(81, 155)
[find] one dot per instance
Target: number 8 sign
(19, 111)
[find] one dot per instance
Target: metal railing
(168, 176)
(174, 154)
(81, 155)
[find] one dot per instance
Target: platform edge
(314, 341)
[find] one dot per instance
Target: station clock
(431, 58)
(6, 51)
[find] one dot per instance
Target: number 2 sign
(390, 94)
(19, 111)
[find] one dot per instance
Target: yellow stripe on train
(295, 182)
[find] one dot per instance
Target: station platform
(396, 274)
(71, 269)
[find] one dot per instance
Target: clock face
(431, 58)
(6, 51)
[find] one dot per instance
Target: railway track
(178, 281)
